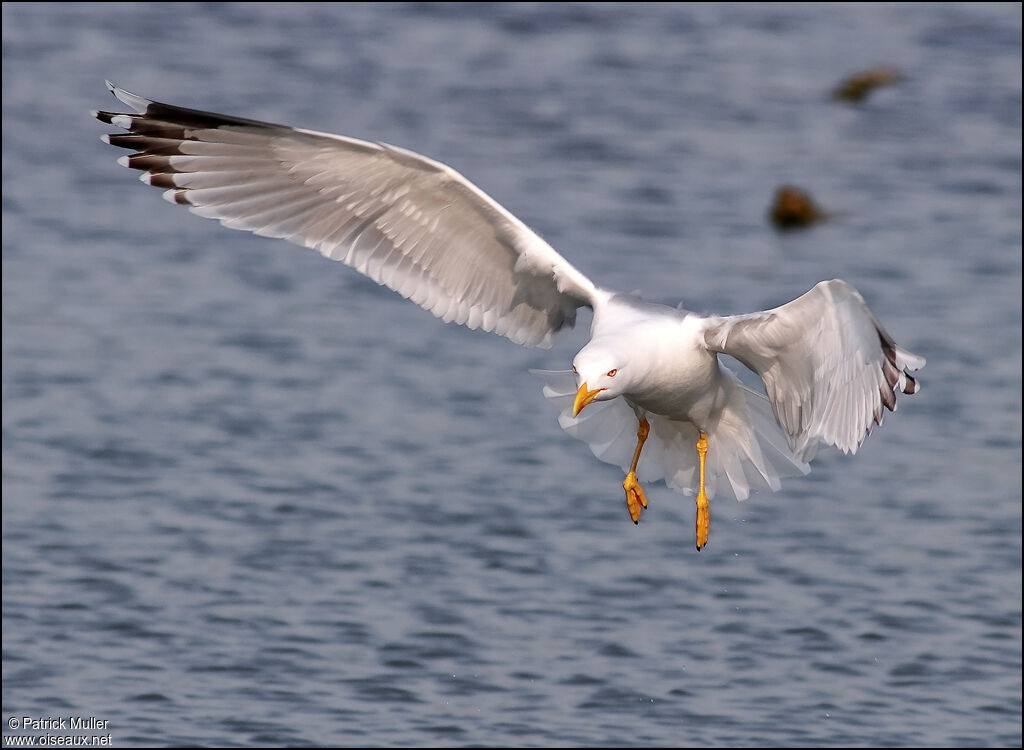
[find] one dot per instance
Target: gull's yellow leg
(635, 500)
(703, 509)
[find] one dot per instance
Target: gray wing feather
(409, 223)
(827, 364)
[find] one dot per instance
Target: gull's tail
(747, 450)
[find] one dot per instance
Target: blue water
(250, 498)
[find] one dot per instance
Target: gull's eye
(574, 370)
(611, 373)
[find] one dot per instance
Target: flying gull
(648, 382)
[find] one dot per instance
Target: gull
(650, 376)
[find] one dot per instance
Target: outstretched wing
(827, 364)
(407, 222)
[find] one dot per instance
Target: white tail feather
(746, 449)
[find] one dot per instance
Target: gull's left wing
(406, 221)
(827, 364)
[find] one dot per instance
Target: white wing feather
(409, 223)
(827, 364)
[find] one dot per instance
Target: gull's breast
(681, 378)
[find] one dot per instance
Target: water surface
(250, 498)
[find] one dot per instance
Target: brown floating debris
(859, 85)
(793, 209)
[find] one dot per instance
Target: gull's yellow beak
(583, 397)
